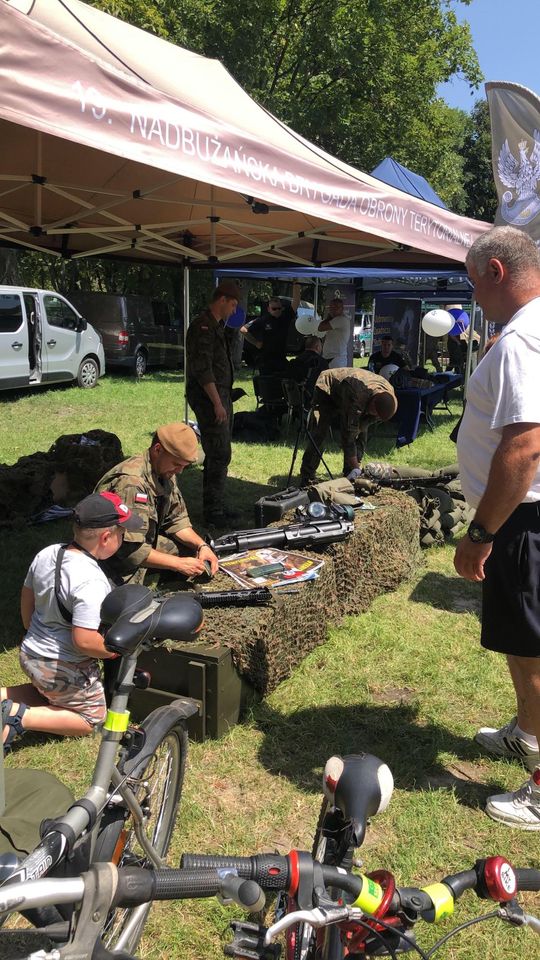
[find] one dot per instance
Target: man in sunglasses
(269, 333)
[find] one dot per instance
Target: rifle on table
(223, 598)
(318, 533)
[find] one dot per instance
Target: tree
(481, 195)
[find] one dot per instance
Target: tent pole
(316, 297)
(468, 364)
(186, 323)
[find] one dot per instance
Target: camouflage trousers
(72, 685)
(353, 435)
(216, 443)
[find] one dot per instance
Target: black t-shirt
(376, 361)
(273, 332)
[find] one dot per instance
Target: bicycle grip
(270, 871)
(528, 879)
(136, 886)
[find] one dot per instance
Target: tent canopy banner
(91, 108)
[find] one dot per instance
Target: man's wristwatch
(478, 534)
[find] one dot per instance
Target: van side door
(168, 333)
(62, 340)
(14, 362)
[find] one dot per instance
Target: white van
(363, 334)
(44, 340)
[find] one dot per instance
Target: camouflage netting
(268, 642)
(442, 507)
(66, 473)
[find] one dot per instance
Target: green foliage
(479, 184)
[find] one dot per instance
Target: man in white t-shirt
(337, 334)
(60, 609)
(499, 458)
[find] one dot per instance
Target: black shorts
(511, 590)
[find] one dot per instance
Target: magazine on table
(268, 567)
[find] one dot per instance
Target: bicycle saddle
(359, 785)
(135, 615)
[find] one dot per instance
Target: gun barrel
(315, 533)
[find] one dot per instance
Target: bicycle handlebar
(243, 879)
(492, 879)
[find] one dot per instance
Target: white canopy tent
(118, 143)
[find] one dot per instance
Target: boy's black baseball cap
(105, 509)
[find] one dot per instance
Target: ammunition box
(204, 672)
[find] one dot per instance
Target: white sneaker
(504, 743)
(519, 809)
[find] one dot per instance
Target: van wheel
(88, 374)
(362, 349)
(140, 365)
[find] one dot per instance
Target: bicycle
(377, 920)
(128, 813)
(377, 917)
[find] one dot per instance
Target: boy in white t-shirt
(60, 609)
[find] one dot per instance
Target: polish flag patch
(141, 497)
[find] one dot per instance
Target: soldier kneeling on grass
(60, 609)
(166, 541)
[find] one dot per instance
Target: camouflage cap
(180, 440)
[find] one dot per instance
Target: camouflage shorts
(71, 685)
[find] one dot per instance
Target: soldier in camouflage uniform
(209, 383)
(167, 541)
(359, 397)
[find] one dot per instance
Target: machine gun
(316, 533)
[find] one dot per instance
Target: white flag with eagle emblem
(515, 152)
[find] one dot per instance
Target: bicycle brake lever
(513, 913)
(318, 917)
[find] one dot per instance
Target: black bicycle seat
(135, 615)
(359, 785)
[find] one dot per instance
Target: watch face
(476, 534)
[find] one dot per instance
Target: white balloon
(437, 323)
(388, 370)
(308, 325)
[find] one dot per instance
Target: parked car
(138, 332)
(43, 339)
(363, 334)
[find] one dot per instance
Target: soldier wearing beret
(167, 541)
(209, 383)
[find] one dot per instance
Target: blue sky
(506, 36)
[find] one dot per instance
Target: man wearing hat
(60, 608)
(210, 377)
(146, 482)
(358, 397)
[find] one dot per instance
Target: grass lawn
(407, 681)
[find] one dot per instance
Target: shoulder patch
(141, 497)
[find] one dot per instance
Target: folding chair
(269, 393)
(296, 401)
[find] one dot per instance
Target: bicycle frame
(84, 816)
